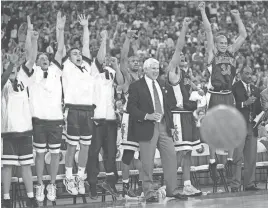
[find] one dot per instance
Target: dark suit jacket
(140, 103)
(240, 95)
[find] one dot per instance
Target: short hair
(148, 63)
(243, 68)
(220, 36)
(42, 53)
(74, 48)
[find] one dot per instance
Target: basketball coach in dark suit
(152, 121)
(247, 98)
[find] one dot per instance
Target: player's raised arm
(60, 37)
(208, 30)
(242, 33)
(124, 54)
(102, 50)
(119, 76)
(174, 74)
(5, 76)
(28, 37)
(33, 55)
(83, 20)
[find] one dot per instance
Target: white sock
(30, 195)
(212, 161)
(231, 159)
(110, 173)
(187, 183)
(81, 172)
(6, 196)
(69, 172)
(125, 181)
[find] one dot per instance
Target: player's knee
(127, 157)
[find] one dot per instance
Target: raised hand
(235, 13)
(34, 35)
(13, 58)
(83, 20)
(29, 24)
(104, 34)
(60, 21)
(114, 62)
(187, 21)
(202, 6)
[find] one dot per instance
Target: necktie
(248, 89)
(45, 74)
(158, 108)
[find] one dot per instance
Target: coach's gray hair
(149, 62)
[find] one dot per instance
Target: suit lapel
(147, 92)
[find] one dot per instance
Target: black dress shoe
(234, 189)
(179, 196)
(152, 199)
(252, 188)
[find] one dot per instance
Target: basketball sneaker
(190, 190)
(80, 185)
(6, 203)
(40, 196)
(32, 203)
(51, 192)
(128, 191)
(71, 186)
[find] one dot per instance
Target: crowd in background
(158, 24)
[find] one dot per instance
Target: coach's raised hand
(104, 35)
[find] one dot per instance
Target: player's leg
(188, 189)
(229, 164)
(127, 157)
(40, 145)
(138, 166)
(54, 144)
(86, 130)
(9, 159)
(110, 149)
(93, 158)
(25, 152)
(73, 135)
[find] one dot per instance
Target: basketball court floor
(220, 200)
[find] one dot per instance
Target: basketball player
(78, 78)
(16, 127)
(105, 124)
(130, 69)
(46, 106)
(185, 135)
(222, 68)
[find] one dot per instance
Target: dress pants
(165, 144)
(104, 136)
(248, 151)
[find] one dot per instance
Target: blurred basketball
(223, 127)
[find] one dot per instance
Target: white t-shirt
(104, 92)
(15, 109)
(78, 84)
(46, 93)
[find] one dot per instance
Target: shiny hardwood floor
(220, 200)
